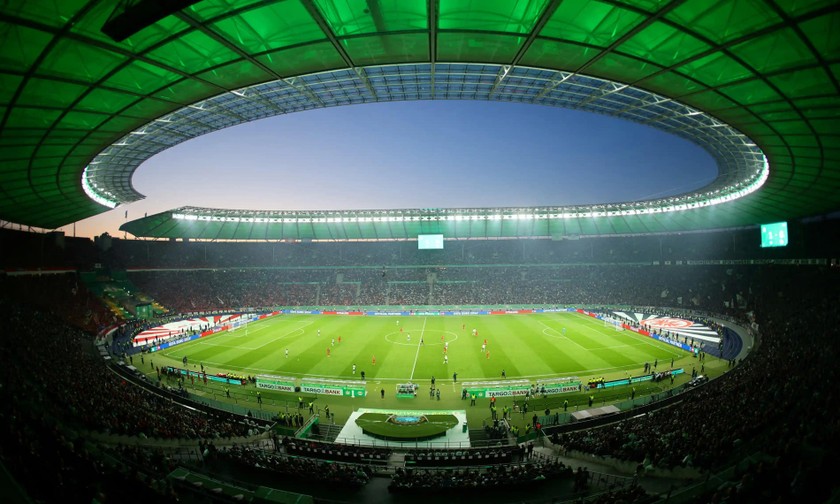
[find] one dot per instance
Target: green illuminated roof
(73, 99)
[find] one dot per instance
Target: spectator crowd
(781, 400)
(715, 288)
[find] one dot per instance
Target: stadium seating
(338, 452)
(55, 385)
(461, 457)
(527, 473)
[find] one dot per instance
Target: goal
(237, 325)
(616, 324)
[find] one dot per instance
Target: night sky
(422, 154)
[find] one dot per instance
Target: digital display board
(430, 242)
(774, 235)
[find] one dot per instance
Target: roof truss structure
(768, 69)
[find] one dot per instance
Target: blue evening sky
(429, 154)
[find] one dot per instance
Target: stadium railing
(236, 409)
(191, 401)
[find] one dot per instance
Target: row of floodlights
(135, 139)
(96, 194)
(674, 205)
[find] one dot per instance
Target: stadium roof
(81, 111)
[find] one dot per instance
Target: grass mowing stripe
(294, 332)
(567, 359)
(224, 345)
(562, 336)
(525, 346)
(660, 347)
(417, 354)
(586, 345)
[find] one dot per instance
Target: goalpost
(616, 324)
(239, 324)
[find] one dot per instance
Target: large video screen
(774, 235)
(430, 242)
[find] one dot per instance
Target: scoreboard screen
(430, 242)
(774, 235)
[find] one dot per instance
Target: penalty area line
(417, 354)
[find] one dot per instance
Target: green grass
(525, 346)
(530, 346)
(377, 424)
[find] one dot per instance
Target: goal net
(616, 324)
(238, 324)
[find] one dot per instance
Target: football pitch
(391, 349)
(533, 347)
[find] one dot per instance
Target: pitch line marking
(548, 330)
(285, 335)
(563, 336)
(205, 342)
(416, 355)
(607, 347)
(638, 337)
(295, 332)
(613, 347)
(236, 347)
(238, 333)
(592, 372)
(389, 340)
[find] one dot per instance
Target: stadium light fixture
(621, 101)
(94, 193)
(671, 204)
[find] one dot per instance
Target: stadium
(671, 349)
